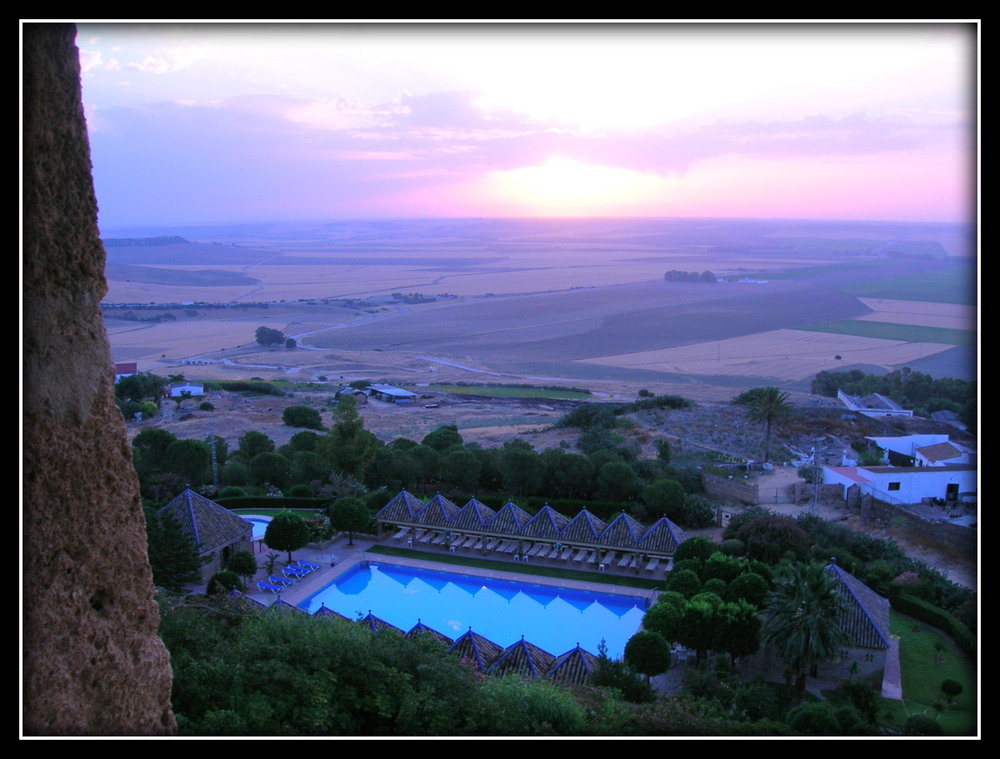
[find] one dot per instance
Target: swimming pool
(259, 526)
(555, 619)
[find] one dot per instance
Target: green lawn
(502, 391)
(927, 658)
(906, 332)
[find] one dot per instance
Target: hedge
(937, 618)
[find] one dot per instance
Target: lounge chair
(266, 586)
(566, 555)
(652, 565)
(294, 572)
(580, 555)
(280, 581)
(624, 561)
(308, 564)
(399, 535)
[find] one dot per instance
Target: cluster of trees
(910, 389)
(291, 674)
(268, 336)
(348, 459)
(690, 276)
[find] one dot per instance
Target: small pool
(259, 526)
(553, 618)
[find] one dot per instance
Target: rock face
(93, 664)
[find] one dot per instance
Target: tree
(138, 387)
(287, 531)
(268, 336)
(803, 620)
(242, 563)
(665, 497)
(302, 416)
(272, 468)
(443, 438)
(173, 556)
(184, 395)
(190, 459)
(349, 447)
(149, 449)
(290, 343)
(648, 653)
(251, 444)
(767, 406)
(951, 688)
(349, 514)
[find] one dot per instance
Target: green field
(513, 391)
(954, 284)
(906, 332)
(927, 658)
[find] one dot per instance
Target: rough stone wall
(93, 664)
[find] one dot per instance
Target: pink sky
(196, 123)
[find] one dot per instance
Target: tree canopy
(287, 531)
(803, 619)
(302, 416)
(767, 406)
(268, 336)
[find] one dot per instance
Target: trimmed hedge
(937, 618)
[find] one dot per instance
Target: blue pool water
(259, 526)
(555, 619)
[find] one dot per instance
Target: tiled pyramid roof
(210, 525)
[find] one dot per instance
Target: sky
(221, 123)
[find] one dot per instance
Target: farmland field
(568, 302)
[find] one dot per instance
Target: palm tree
(768, 405)
(803, 620)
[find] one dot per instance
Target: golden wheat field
(785, 354)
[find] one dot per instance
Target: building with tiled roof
(865, 619)
(214, 529)
(568, 537)
(522, 658)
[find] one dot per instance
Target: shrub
(224, 581)
(302, 416)
(920, 724)
(206, 406)
(733, 547)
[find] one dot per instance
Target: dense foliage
(908, 388)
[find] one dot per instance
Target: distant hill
(132, 242)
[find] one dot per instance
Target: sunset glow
(192, 123)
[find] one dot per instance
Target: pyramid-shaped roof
(421, 629)
(474, 515)
(547, 524)
(865, 617)
(622, 532)
(438, 512)
(510, 519)
(476, 648)
(583, 528)
(210, 525)
(522, 658)
(662, 537)
(375, 624)
(324, 612)
(574, 667)
(403, 507)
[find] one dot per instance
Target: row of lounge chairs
(602, 559)
(294, 571)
